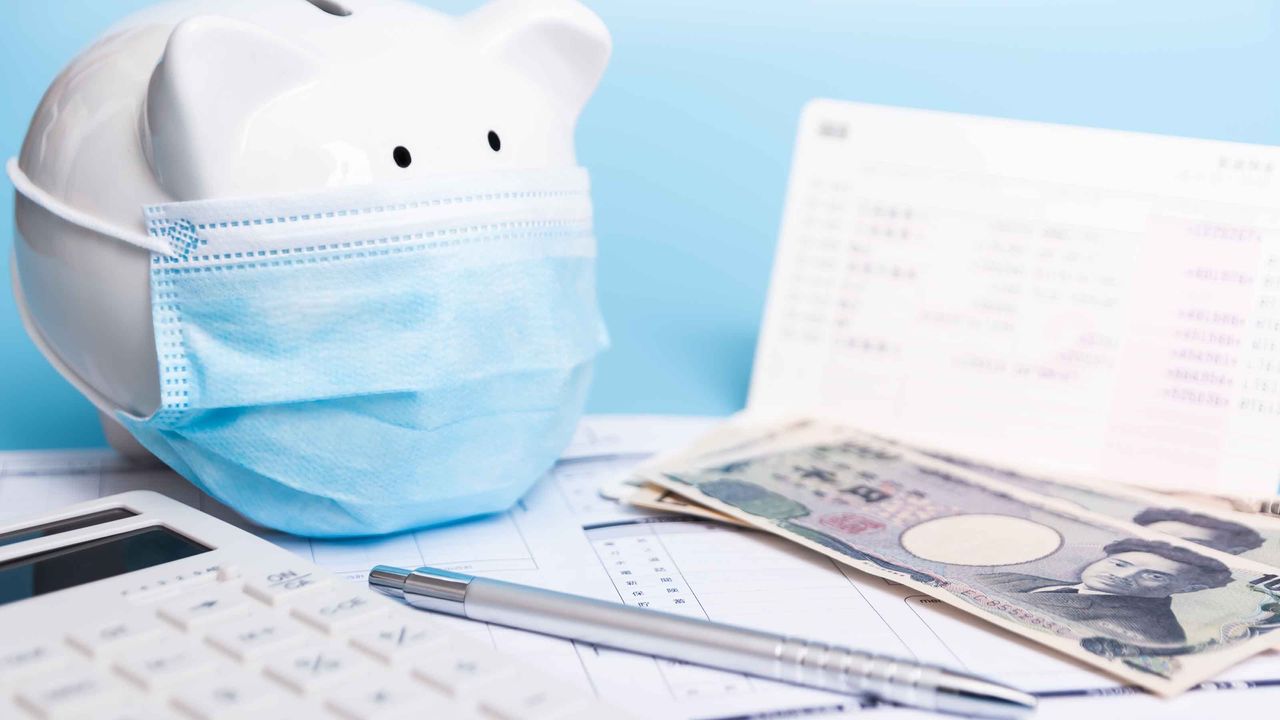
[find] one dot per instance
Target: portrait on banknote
(1111, 592)
(1127, 593)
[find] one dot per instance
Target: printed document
(1070, 302)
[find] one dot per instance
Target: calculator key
(457, 711)
(165, 590)
(299, 709)
(102, 638)
(248, 639)
(196, 609)
(69, 692)
(463, 669)
(228, 697)
(339, 612)
(21, 660)
(388, 698)
(165, 665)
(592, 710)
(396, 638)
(133, 712)
(280, 587)
(316, 665)
(530, 698)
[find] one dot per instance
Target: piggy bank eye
(401, 156)
(495, 142)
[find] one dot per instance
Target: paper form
(565, 536)
(1067, 301)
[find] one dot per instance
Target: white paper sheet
(564, 535)
(1069, 301)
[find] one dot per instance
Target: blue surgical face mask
(366, 360)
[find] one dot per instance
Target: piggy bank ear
(559, 44)
(214, 75)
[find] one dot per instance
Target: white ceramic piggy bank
(229, 98)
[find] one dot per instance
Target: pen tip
(972, 696)
(388, 580)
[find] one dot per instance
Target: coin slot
(331, 7)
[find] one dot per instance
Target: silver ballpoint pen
(700, 642)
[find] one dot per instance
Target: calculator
(135, 606)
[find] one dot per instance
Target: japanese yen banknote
(1248, 535)
(1092, 575)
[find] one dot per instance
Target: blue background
(689, 139)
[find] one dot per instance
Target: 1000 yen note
(739, 435)
(1247, 535)
(1154, 610)
(1219, 527)
(1265, 505)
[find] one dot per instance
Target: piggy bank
(204, 99)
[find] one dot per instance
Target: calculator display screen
(63, 525)
(65, 567)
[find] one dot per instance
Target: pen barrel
(700, 642)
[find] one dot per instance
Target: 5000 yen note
(1156, 611)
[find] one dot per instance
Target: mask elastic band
(80, 218)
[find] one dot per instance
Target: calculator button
(526, 698)
(336, 612)
(249, 638)
(131, 712)
(283, 586)
(387, 699)
(299, 709)
(70, 692)
(22, 660)
(393, 639)
(195, 609)
(232, 697)
(591, 710)
(163, 666)
(462, 670)
(99, 639)
(165, 590)
(315, 665)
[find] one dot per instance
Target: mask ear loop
(25, 186)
